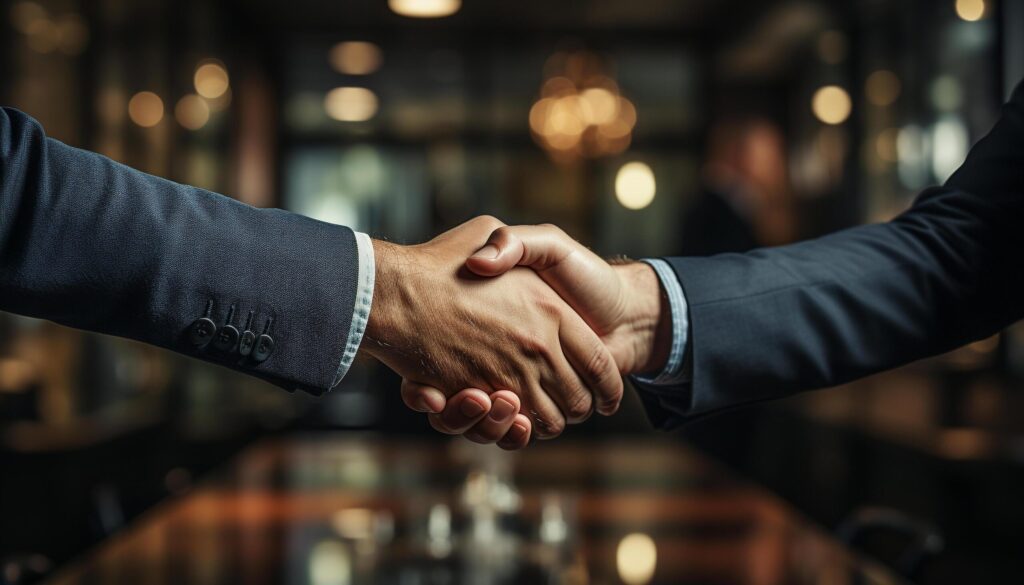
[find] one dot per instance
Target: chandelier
(580, 112)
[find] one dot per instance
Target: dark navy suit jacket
(775, 321)
(90, 243)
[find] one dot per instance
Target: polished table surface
(341, 509)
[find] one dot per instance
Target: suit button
(202, 331)
(246, 342)
(264, 347)
(226, 339)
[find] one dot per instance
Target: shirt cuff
(361, 311)
(674, 372)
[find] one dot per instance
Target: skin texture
(622, 303)
(439, 325)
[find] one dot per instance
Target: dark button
(202, 331)
(246, 343)
(264, 347)
(226, 339)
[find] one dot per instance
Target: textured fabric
(93, 244)
(672, 373)
(361, 311)
(776, 321)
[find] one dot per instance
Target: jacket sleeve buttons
(264, 347)
(202, 332)
(227, 337)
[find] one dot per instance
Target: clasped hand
(503, 332)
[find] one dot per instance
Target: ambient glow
(636, 559)
(425, 8)
(351, 104)
(635, 185)
(831, 104)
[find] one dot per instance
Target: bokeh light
(146, 109)
(351, 104)
(635, 185)
(192, 112)
(636, 559)
(211, 79)
(355, 57)
(831, 104)
(580, 111)
(882, 87)
(425, 8)
(946, 93)
(970, 10)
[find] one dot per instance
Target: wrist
(648, 318)
(387, 318)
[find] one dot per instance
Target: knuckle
(533, 344)
(600, 365)
(579, 405)
(552, 228)
(551, 428)
(488, 221)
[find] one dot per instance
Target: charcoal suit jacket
(775, 321)
(93, 244)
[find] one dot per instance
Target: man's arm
(777, 321)
(93, 244)
(819, 313)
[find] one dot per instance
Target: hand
(439, 325)
(623, 303)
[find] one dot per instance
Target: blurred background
(644, 128)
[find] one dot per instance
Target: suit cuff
(675, 371)
(361, 311)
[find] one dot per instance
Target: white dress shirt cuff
(361, 311)
(674, 372)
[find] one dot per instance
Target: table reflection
(341, 510)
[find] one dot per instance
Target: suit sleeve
(93, 244)
(776, 321)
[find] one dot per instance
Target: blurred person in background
(768, 323)
(745, 199)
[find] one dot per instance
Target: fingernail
(488, 252)
(502, 410)
(516, 433)
(426, 406)
(471, 408)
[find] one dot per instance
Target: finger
(503, 251)
(546, 416)
(573, 398)
(463, 410)
(567, 266)
(422, 398)
(592, 362)
(493, 427)
(540, 247)
(518, 436)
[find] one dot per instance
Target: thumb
(503, 252)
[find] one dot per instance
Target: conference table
(343, 508)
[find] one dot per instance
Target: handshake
(501, 332)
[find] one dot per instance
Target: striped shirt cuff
(361, 312)
(674, 372)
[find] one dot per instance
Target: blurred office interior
(643, 128)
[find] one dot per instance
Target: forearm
(90, 243)
(816, 314)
